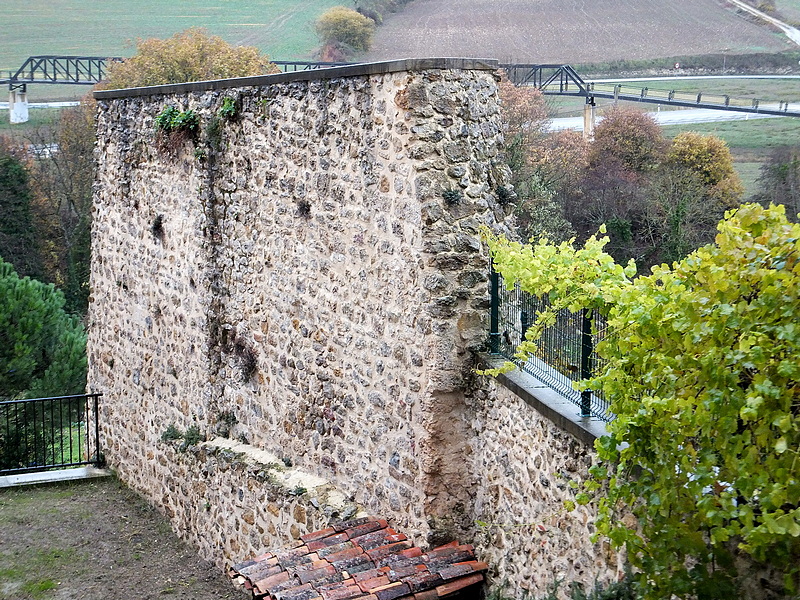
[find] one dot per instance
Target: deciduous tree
(191, 55)
(780, 180)
(708, 157)
(342, 26)
(630, 136)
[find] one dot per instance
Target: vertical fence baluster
(97, 459)
(32, 433)
(494, 314)
(587, 346)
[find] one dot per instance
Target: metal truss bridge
(552, 79)
(75, 70)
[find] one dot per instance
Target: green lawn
(281, 28)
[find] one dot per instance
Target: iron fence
(565, 352)
(46, 433)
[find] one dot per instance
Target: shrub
(345, 26)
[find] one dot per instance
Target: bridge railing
(46, 433)
(684, 98)
(566, 350)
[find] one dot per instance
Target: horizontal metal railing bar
(73, 396)
(56, 432)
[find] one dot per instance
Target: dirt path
(96, 541)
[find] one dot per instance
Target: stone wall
(529, 467)
(302, 284)
(305, 277)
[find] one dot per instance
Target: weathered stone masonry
(304, 283)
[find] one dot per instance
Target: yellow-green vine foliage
(704, 379)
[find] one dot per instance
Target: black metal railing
(565, 351)
(47, 433)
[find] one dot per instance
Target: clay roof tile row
(361, 559)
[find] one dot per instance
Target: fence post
(494, 314)
(97, 457)
(587, 346)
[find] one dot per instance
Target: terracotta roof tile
(378, 538)
(370, 573)
(330, 540)
(259, 571)
(365, 528)
(326, 551)
(410, 556)
(424, 581)
(355, 565)
(317, 535)
(300, 592)
(342, 593)
(392, 591)
(355, 523)
(362, 559)
(344, 554)
(459, 584)
(264, 585)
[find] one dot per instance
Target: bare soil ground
(96, 540)
(570, 31)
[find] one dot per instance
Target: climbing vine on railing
(703, 376)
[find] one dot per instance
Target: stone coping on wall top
(549, 403)
(322, 491)
(362, 558)
(373, 68)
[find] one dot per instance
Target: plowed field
(570, 31)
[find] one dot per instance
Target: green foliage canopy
(44, 349)
(704, 379)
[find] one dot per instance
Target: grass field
(283, 29)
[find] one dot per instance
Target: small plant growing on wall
(175, 126)
(191, 437)
(505, 195)
(229, 110)
(171, 433)
(452, 197)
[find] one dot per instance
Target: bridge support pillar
(588, 119)
(18, 105)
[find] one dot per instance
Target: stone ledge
(375, 68)
(548, 403)
(41, 477)
(322, 493)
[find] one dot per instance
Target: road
(671, 117)
(791, 32)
